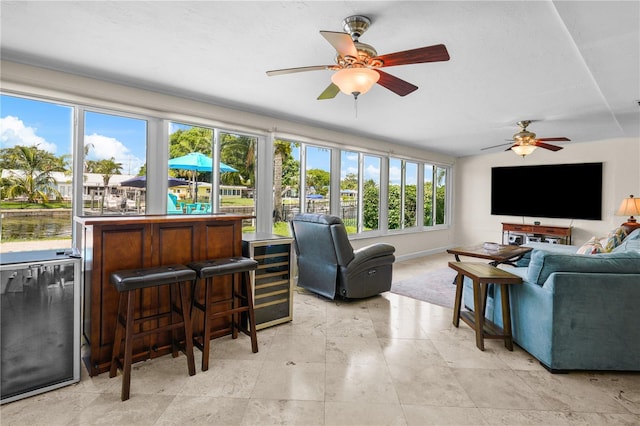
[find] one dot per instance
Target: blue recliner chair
(328, 264)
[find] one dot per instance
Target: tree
(238, 152)
(106, 168)
(318, 179)
(36, 165)
(371, 200)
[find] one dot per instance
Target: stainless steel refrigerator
(40, 322)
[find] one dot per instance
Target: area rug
(434, 287)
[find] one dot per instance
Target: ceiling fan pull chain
(355, 102)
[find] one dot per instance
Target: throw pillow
(592, 246)
(614, 238)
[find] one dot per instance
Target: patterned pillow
(592, 246)
(614, 238)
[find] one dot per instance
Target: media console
(517, 234)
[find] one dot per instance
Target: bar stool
(217, 267)
(127, 282)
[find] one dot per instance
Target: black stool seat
(153, 319)
(239, 302)
(224, 266)
(132, 279)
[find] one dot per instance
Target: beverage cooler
(40, 322)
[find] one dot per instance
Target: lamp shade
(355, 81)
(523, 150)
(629, 206)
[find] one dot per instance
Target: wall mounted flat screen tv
(570, 191)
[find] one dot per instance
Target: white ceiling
(573, 65)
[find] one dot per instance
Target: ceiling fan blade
(547, 146)
(341, 42)
(416, 56)
(495, 146)
(330, 92)
(554, 139)
(395, 84)
(299, 69)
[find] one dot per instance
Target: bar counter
(128, 242)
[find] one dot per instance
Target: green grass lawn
(10, 205)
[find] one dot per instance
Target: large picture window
(114, 165)
(36, 185)
(371, 193)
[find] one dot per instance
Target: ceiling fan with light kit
(358, 64)
(526, 141)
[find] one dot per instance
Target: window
(349, 190)
(317, 179)
(37, 172)
(429, 194)
(238, 175)
(190, 163)
(114, 152)
(435, 196)
(371, 193)
(441, 195)
(402, 194)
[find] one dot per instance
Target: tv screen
(570, 191)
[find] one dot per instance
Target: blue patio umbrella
(199, 163)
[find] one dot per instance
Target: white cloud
(395, 174)
(105, 147)
(372, 172)
(13, 132)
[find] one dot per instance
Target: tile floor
(386, 360)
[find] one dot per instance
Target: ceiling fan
(526, 141)
(358, 64)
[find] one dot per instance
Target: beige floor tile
(409, 352)
(203, 410)
(288, 347)
(50, 408)
(571, 392)
(108, 409)
(281, 412)
(622, 387)
(363, 413)
(555, 418)
(225, 378)
(359, 382)
(422, 415)
(458, 349)
(436, 386)
(354, 350)
(490, 388)
(302, 381)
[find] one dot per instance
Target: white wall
(473, 221)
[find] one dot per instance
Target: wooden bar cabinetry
(272, 281)
(115, 243)
(513, 233)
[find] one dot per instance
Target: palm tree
(106, 168)
(282, 150)
(238, 152)
(35, 182)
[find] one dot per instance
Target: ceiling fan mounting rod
(356, 25)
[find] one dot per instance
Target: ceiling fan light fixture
(523, 150)
(355, 81)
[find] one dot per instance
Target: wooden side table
(482, 274)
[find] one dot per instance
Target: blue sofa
(575, 311)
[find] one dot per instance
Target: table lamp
(630, 206)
